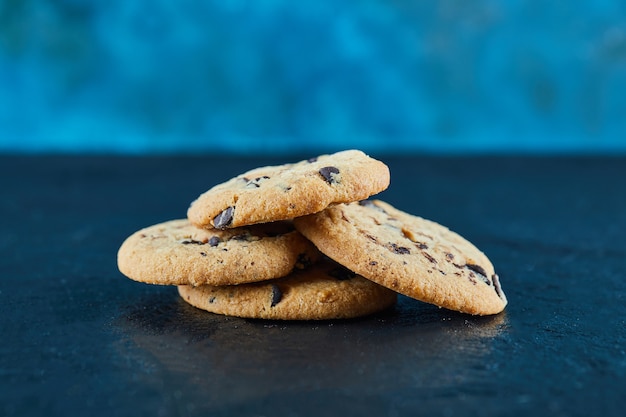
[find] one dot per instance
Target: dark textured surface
(80, 339)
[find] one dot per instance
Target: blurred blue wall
(308, 76)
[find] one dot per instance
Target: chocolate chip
(224, 219)
(421, 245)
(480, 271)
(429, 257)
(342, 274)
(371, 237)
(449, 256)
(303, 261)
(211, 300)
(371, 204)
(311, 160)
(476, 268)
(257, 181)
(192, 242)
(400, 250)
(277, 295)
(203, 253)
(214, 241)
(329, 174)
(496, 284)
(373, 263)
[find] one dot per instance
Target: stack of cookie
(303, 242)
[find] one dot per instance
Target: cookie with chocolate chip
(177, 253)
(324, 291)
(408, 254)
(283, 192)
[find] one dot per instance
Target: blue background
(284, 76)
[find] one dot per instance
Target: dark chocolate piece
(224, 219)
(303, 261)
(400, 250)
(257, 181)
(277, 295)
(372, 205)
(192, 242)
(496, 283)
(429, 257)
(311, 160)
(329, 174)
(476, 268)
(372, 238)
(214, 241)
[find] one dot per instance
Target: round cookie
(178, 253)
(283, 192)
(323, 291)
(413, 256)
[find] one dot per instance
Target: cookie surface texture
(283, 192)
(177, 253)
(321, 292)
(408, 254)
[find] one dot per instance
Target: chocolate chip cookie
(408, 254)
(323, 291)
(283, 192)
(177, 253)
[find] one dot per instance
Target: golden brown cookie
(286, 191)
(177, 253)
(323, 291)
(413, 256)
